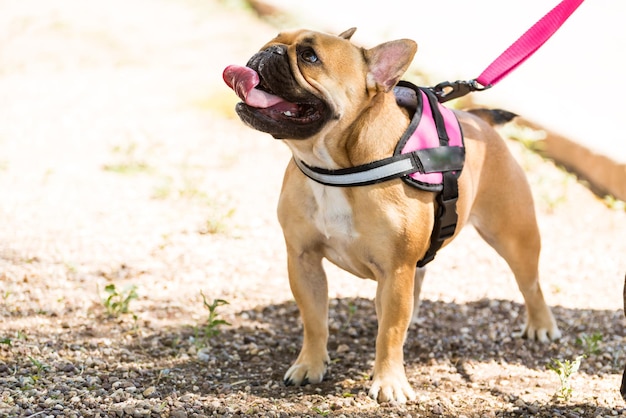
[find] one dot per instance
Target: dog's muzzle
(272, 65)
(299, 115)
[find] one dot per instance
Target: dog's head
(303, 81)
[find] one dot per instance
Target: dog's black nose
(277, 49)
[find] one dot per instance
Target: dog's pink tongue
(243, 81)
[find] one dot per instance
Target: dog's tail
(494, 116)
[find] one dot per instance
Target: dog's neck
(371, 136)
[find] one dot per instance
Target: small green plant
(129, 161)
(117, 302)
(163, 374)
(213, 323)
(351, 312)
(41, 367)
(321, 412)
(590, 343)
(129, 168)
(565, 370)
(5, 340)
(217, 221)
(70, 268)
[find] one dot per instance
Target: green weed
(214, 322)
(118, 302)
(590, 343)
(129, 167)
(217, 221)
(185, 188)
(351, 312)
(565, 370)
(129, 162)
(321, 412)
(41, 367)
(70, 267)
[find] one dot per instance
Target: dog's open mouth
(246, 83)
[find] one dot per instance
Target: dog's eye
(309, 55)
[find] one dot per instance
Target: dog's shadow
(480, 331)
(250, 357)
(268, 340)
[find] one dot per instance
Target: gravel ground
(122, 166)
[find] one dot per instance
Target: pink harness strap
(426, 136)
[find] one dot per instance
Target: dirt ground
(123, 166)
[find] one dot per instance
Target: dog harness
(429, 156)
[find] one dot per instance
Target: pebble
(149, 391)
(203, 356)
(342, 348)
(178, 413)
(533, 409)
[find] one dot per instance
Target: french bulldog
(333, 104)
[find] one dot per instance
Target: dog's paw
(391, 389)
(301, 373)
(541, 334)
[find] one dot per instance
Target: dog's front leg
(310, 289)
(394, 308)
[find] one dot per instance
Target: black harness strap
(445, 217)
(445, 214)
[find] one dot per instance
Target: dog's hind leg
(504, 216)
(519, 246)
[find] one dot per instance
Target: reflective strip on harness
(432, 160)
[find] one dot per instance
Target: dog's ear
(347, 34)
(388, 62)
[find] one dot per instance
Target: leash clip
(453, 90)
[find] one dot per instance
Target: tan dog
(333, 105)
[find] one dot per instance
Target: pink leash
(516, 54)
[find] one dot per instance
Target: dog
(335, 105)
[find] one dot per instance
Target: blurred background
(570, 86)
(119, 145)
(123, 164)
